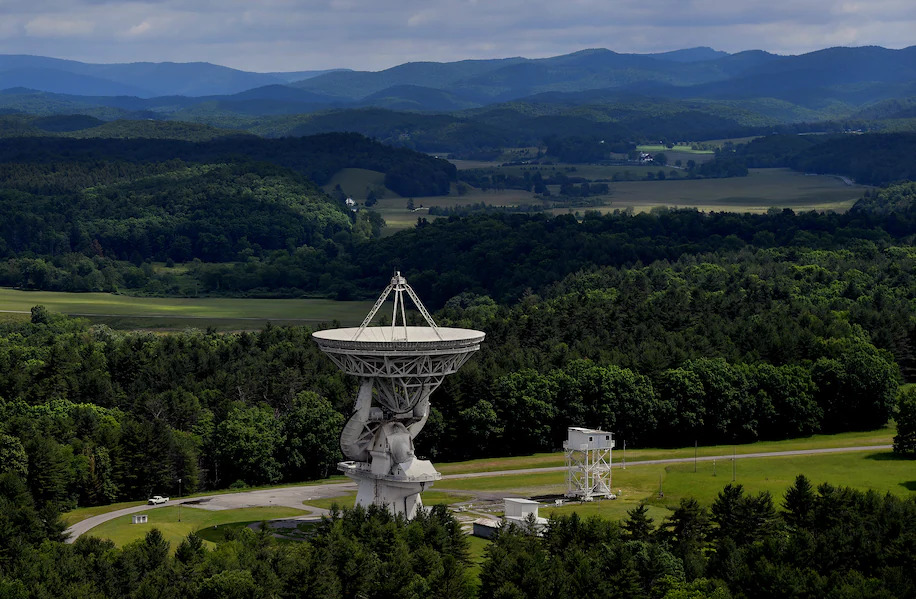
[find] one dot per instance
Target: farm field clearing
(121, 531)
(356, 182)
(680, 149)
(128, 312)
(761, 190)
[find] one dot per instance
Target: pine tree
(799, 503)
(638, 523)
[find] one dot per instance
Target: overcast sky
(286, 35)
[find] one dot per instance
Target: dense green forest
(499, 255)
(729, 347)
(871, 159)
(351, 554)
(317, 157)
(825, 542)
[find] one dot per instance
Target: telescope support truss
(588, 472)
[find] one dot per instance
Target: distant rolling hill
(142, 79)
(696, 94)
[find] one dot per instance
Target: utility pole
(734, 464)
(179, 499)
(624, 454)
(694, 456)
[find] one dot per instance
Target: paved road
(295, 496)
(287, 497)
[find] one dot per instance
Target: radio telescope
(398, 366)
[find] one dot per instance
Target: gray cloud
(291, 35)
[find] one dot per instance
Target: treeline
(511, 253)
(89, 416)
(708, 398)
(869, 159)
(824, 542)
(503, 255)
(356, 553)
(579, 149)
(317, 157)
(479, 207)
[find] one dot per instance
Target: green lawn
(477, 547)
(82, 513)
(185, 312)
(121, 531)
(880, 470)
(882, 436)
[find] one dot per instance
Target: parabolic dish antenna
(398, 365)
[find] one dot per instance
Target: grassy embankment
(126, 312)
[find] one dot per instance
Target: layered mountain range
(720, 92)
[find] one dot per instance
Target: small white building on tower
(588, 463)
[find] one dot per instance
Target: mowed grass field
(879, 470)
(121, 531)
(882, 436)
(123, 311)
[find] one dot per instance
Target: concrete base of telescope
(399, 493)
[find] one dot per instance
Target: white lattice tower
(588, 463)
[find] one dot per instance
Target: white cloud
(58, 26)
(140, 29)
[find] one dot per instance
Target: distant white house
(349, 202)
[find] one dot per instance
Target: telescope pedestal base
(397, 496)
